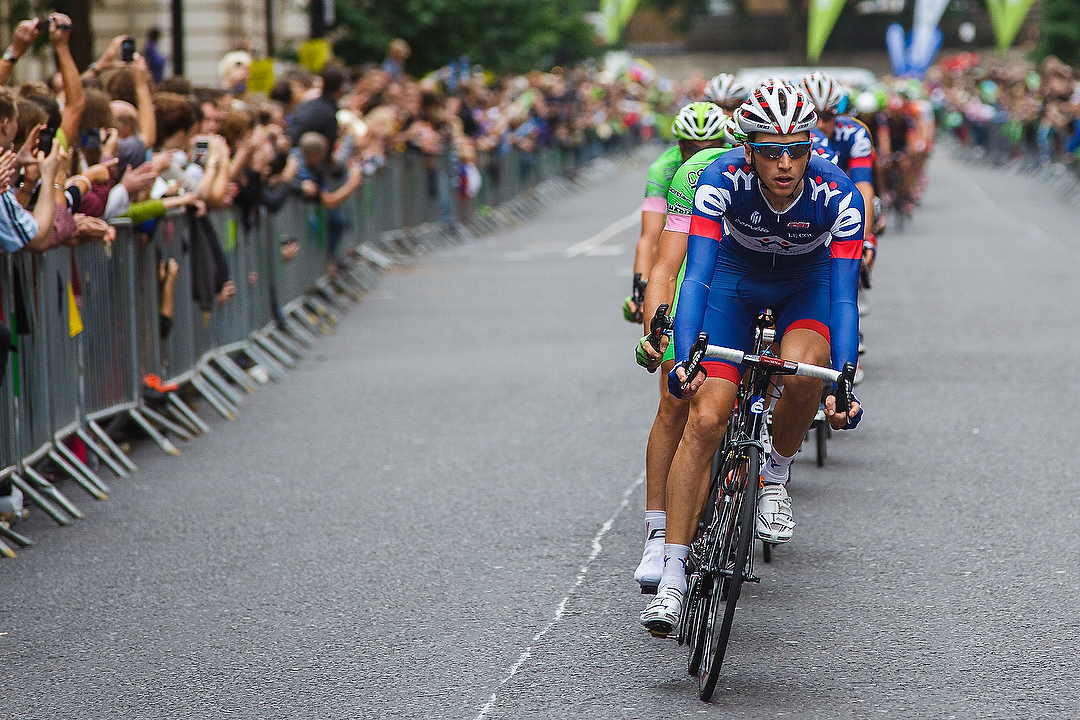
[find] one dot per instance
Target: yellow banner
(75, 325)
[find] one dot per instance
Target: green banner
(823, 15)
(1007, 16)
(616, 15)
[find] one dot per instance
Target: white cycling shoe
(661, 617)
(774, 522)
(651, 567)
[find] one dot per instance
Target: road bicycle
(721, 555)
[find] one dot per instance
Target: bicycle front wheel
(735, 554)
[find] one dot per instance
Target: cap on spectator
(233, 60)
(348, 117)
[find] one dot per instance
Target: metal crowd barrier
(1002, 142)
(90, 355)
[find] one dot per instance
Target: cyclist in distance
(727, 92)
(700, 129)
(850, 140)
(773, 226)
(696, 126)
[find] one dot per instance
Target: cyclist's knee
(672, 411)
(802, 388)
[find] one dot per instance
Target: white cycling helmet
(725, 88)
(777, 110)
(735, 136)
(699, 121)
(823, 90)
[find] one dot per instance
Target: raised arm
(74, 97)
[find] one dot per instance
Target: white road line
(604, 235)
(596, 548)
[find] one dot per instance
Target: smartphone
(127, 49)
(45, 140)
(202, 149)
(91, 139)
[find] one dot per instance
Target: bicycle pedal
(751, 578)
(649, 588)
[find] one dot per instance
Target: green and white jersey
(680, 196)
(659, 179)
(680, 206)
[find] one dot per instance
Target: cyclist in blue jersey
(773, 226)
(850, 139)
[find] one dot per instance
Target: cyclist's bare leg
(664, 439)
(799, 402)
(688, 478)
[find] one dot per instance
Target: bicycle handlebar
(783, 367)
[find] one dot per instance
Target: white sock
(655, 526)
(775, 471)
(674, 567)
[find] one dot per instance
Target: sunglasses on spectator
(774, 151)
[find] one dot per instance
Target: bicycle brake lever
(697, 354)
(659, 323)
(844, 386)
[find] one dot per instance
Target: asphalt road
(438, 514)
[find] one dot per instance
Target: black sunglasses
(774, 151)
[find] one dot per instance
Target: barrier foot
(82, 467)
(219, 403)
(273, 368)
(181, 420)
(39, 500)
(6, 551)
(298, 332)
(112, 446)
(270, 343)
(345, 285)
(155, 417)
(235, 372)
(324, 316)
(15, 537)
(51, 490)
(78, 477)
(313, 323)
(220, 384)
(325, 288)
(181, 408)
(163, 442)
(103, 454)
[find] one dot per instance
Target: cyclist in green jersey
(672, 412)
(694, 124)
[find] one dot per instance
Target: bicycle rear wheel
(736, 545)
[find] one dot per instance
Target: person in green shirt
(712, 139)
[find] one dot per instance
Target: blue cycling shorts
(798, 297)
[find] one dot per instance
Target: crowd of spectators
(1026, 110)
(125, 139)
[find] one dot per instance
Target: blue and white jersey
(820, 147)
(852, 142)
(824, 223)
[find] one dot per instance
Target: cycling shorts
(798, 297)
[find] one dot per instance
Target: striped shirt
(17, 225)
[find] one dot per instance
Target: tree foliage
(501, 35)
(1059, 31)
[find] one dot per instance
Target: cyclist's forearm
(694, 294)
(665, 273)
(652, 224)
(866, 189)
(844, 310)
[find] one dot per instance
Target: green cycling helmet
(699, 121)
